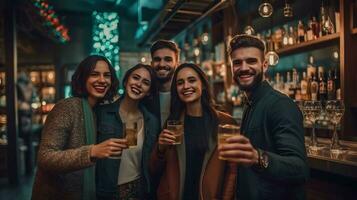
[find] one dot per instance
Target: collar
(113, 108)
(258, 93)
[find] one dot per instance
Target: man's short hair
(164, 44)
(245, 40)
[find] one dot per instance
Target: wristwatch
(263, 159)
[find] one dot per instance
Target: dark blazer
(109, 124)
(273, 123)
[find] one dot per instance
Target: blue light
(105, 36)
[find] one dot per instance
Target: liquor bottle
(301, 32)
(322, 85)
(314, 88)
(292, 88)
(297, 84)
(327, 26)
(331, 89)
(309, 32)
(278, 38)
(281, 84)
(311, 69)
(277, 81)
(303, 86)
(291, 36)
(338, 94)
(323, 20)
(309, 79)
(294, 83)
(298, 94)
(315, 28)
(336, 79)
(286, 36)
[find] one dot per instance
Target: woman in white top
(127, 177)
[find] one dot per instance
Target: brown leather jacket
(218, 177)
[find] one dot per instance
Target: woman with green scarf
(68, 152)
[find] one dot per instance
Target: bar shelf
(309, 45)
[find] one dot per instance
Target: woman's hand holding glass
(112, 147)
(166, 138)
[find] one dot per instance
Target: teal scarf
(88, 192)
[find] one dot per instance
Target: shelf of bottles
(312, 84)
(307, 38)
(304, 34)
(42, 104)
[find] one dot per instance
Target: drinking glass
(176, 126)
(312, 110)
(130, 133)
(225, 131)
(335, 110)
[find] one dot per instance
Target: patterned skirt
(133, 190)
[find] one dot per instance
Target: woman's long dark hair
(80, 77)
(147, 100)
(177, 106)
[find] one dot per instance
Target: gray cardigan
(62, 155)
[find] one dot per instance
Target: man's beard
(257, 79)
(168, 77)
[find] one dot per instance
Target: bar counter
(344, 163)
(332, 176)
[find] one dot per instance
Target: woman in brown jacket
(192, 169)
(67, 150)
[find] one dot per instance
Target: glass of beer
(176, 126)
(116, 136)
(225, 131)
(130, 133)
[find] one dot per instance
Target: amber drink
(176, 126)
(225, 131)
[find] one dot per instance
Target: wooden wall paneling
(347, 69)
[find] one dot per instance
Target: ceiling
(128, 9)
(162, 18)
(151, 19)
(177, 16)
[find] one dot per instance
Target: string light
(105, 36)
(51, 21)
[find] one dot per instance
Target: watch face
(265, 160)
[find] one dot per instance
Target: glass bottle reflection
(334, 111)
(312, 110)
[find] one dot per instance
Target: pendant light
(288, 10)
(249, 30)
(265, 9)
(271, 56)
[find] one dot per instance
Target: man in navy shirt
(270, 151)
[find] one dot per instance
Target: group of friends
(83, 133)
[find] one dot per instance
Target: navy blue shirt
(273, 123)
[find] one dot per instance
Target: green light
(121, 91)
(106, 36)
